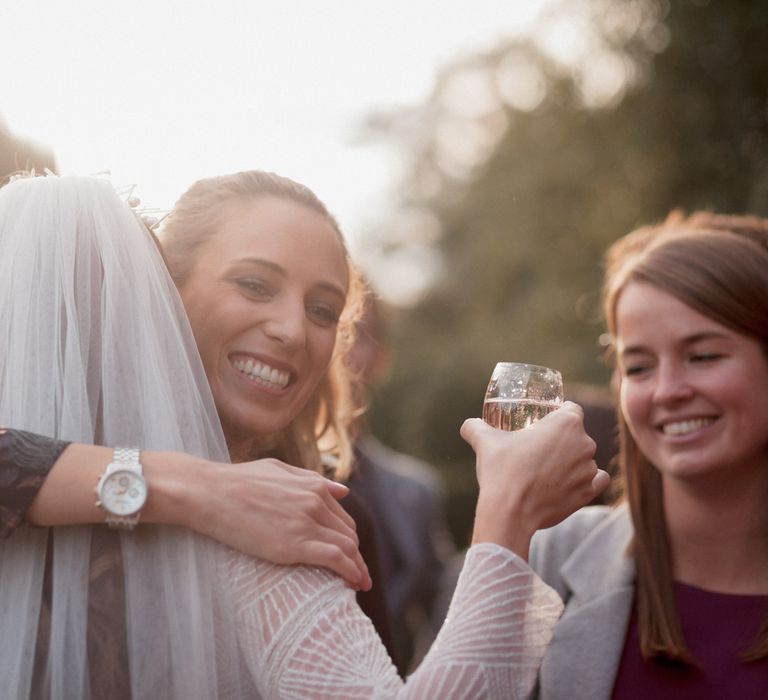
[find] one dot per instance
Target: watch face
(123, 492)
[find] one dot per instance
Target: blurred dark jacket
(404, 496)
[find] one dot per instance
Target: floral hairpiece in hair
(26, 174)
(151, 218)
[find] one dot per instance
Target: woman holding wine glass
(667, 594)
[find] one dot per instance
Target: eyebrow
(279, 269)
(687, 340)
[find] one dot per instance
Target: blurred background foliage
(522, 166)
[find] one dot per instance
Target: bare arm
(263, 508)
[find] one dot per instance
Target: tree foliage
(528, 164)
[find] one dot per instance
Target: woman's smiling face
(264, 298)
(694, 393)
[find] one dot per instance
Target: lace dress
(304, 637)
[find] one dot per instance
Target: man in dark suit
(403, 496)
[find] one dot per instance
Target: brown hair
(717, 265)
(320, 431)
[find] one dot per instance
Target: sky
(162, 92)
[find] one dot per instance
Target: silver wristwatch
(122, 489)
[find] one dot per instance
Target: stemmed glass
(519, 394)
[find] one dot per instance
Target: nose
(287, 325)
(671, 384)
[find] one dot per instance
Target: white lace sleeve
(304, 636)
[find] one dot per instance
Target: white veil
(95, 347)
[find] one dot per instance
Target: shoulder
(567, 534)
(551, 548)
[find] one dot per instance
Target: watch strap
(123, 458)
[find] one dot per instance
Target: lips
(686, 426)
(261, 372)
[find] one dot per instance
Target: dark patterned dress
(25, 460)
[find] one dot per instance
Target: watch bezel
(106, 500)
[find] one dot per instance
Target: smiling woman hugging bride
(99, 350)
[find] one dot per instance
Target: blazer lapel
(584, 654)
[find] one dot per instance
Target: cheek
(323, 342)
(749, 401)
(204, 336)
(207, 329)
(321, 346)
(634, 406)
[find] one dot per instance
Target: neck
(240, 452)
(719, 532)
(247, 448)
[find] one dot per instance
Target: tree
(526, 163)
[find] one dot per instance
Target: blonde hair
(717, 265)
(319, 434)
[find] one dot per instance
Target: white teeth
(264, 374)
(685, 426)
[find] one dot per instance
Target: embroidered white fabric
(312, 641)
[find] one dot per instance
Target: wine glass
(519, 394)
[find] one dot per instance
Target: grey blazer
(584, 559)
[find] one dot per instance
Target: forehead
(646, 314)
(282, 232)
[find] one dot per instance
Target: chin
(245, 427)
(692, 468)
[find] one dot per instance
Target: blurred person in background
(667, 593)
(404, 496)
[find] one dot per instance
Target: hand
(279, 513)
(264, 508)
(533, 478)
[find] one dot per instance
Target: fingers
(570, 406)
(600, 482)
(329, 491)
(472, 430)
(333, 536)
(339, 556)
(336, 489)
(330, 513)
(337, 520)
(365, 582)
(283, 514)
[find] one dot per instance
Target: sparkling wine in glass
(519, 394)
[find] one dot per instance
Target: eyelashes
(319, 312)
(634, 370)
(253, 286)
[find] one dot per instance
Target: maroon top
(718, 628)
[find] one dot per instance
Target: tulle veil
(95, 347)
